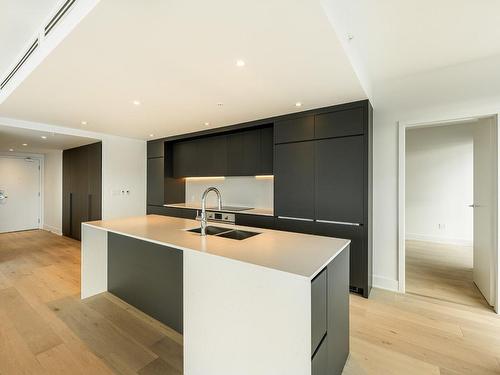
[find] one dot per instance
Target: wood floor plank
(32, 328)
(16, 358)
(131, 325)
(170, 351)
(101, 336)
(159, 367)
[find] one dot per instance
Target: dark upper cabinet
(156, 183)
(294, 130)
(339, 174)
(210, 156)
(294, 180)
(243, 153)
(339, 123)
(266, 150)
(185, 159)
(156, 149)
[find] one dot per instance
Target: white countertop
(252, 211)
(300, 254)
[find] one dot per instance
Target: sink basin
(237, 234)
(211, 230)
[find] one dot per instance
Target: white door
(484, 207)
(19, 194)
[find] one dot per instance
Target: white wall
(52, 192)
(439, 184)
(236, 191)
(419, 99)
(123, 168)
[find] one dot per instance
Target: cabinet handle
(294, 218)
(89, 211)
(339, 223)
(70, 214)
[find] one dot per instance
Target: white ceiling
(178, 58)
(20, 20)
(13, 138)
(395, 38)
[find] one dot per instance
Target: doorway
(20, 198)
(448, 211)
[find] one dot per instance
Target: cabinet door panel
(339, 124)
(318, 309)
(156, 149)
(294, 130)
(243, 153)
(339, 179)
(94, 197)
(358, 266)
(294, 180)
(211, 156)
(184, 159)
(155, 192)
(266, 151)
(319, 364)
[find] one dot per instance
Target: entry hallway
(46, 329)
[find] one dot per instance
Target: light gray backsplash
(236, 191)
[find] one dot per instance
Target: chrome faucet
(204, 207)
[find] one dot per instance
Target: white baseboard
(52, 229)
(438, 239)
(382, 282)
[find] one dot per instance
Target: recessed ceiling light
(298, 104)
(84, 123)
(151, 135)
(207, 124)
(136, 102)
(11, 149)
(240, 63)
(25, 144)
(44, 137)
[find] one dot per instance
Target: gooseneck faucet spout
(204, 207)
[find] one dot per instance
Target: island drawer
(319, 318)
(319, 364)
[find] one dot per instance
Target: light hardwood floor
(442, 271)
(46, 329)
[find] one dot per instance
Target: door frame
(40, 159)
(402, 128)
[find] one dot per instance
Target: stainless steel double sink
(234, 234)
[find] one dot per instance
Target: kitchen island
(274, 303)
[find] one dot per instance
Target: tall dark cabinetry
(82, 187)
(322, 178)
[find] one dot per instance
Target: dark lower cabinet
(183, 213)
(330, 317)
(359, 266)
(319, 365)
(82, 187)
(294, 180)
(147, 276)
(258, 221)
(338, 313)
